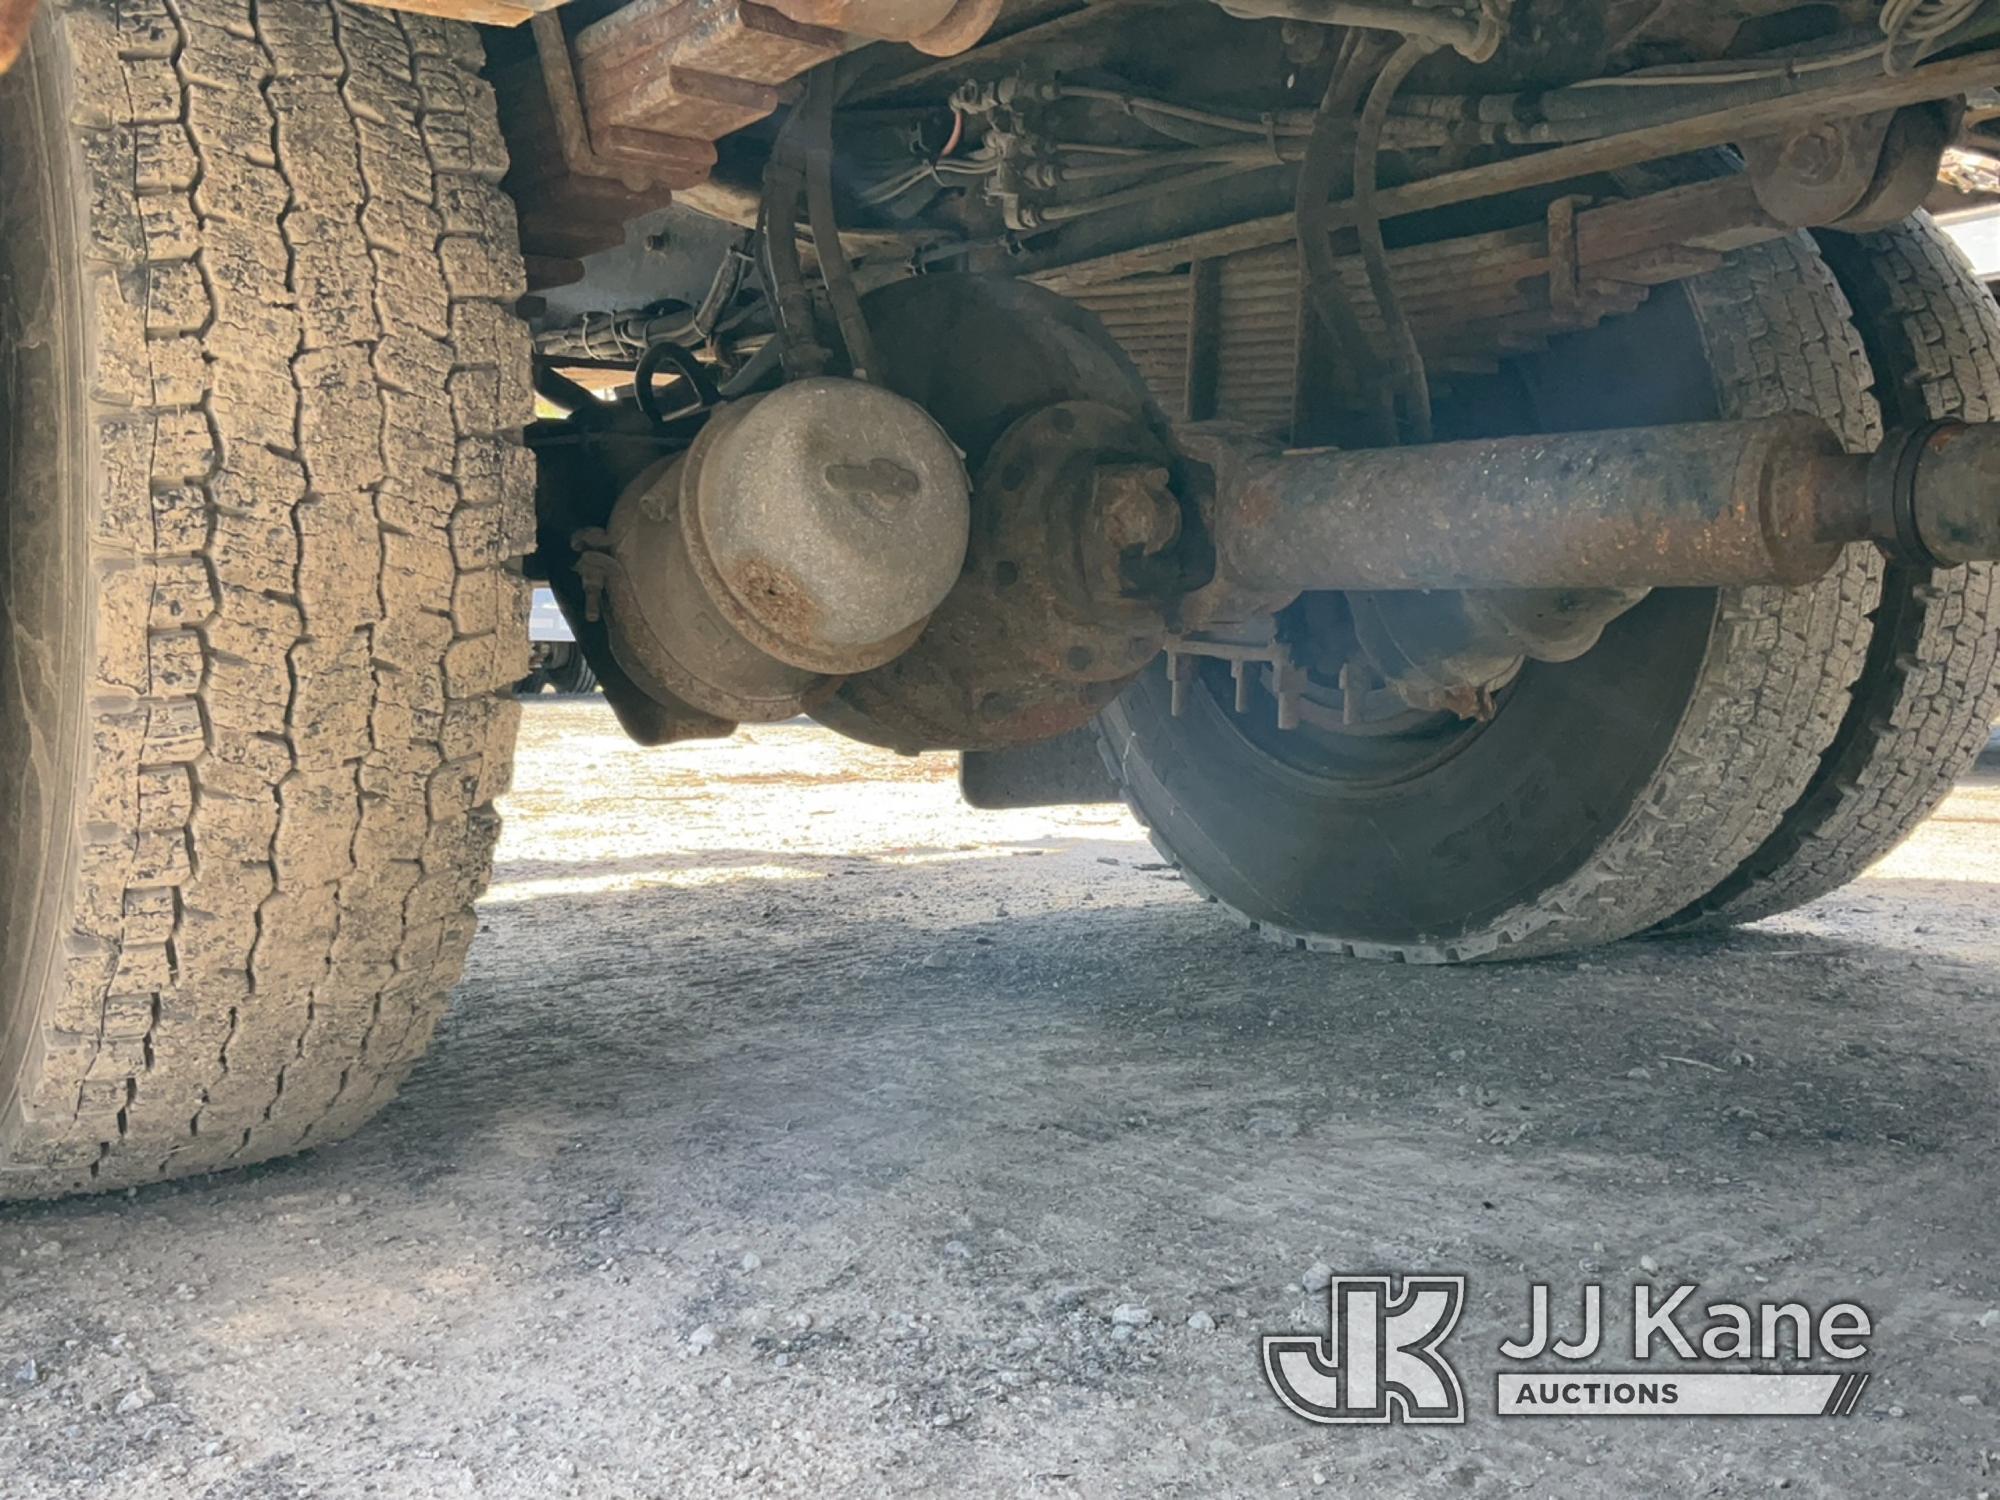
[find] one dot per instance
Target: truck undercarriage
(1478, 480)
(1365, 229)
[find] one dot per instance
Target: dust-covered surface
(799, 1131)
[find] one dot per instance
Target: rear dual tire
(1923, 704)
(1719, 756)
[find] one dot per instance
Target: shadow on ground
(750, 1168)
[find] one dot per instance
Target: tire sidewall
(1447, 854)
(48, 480)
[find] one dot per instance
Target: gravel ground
(799, 1131)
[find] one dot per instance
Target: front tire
(263, 492)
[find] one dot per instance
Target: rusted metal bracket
(1256, 646)
(1816, 173)
(639, 159)
(1565, 272)
(1861, 173)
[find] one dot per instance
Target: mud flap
(1065, 770)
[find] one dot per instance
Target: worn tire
(1666, 755)
(263, 616)
(1927, 694)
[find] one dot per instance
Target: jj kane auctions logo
(1382, 1358)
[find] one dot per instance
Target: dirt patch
(798, 1130)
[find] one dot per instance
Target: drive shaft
(1710, 504)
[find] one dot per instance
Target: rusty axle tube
(1708, 504)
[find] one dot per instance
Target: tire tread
(1927, 696)
(307, 386)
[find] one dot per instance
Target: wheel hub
(1051, 617)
